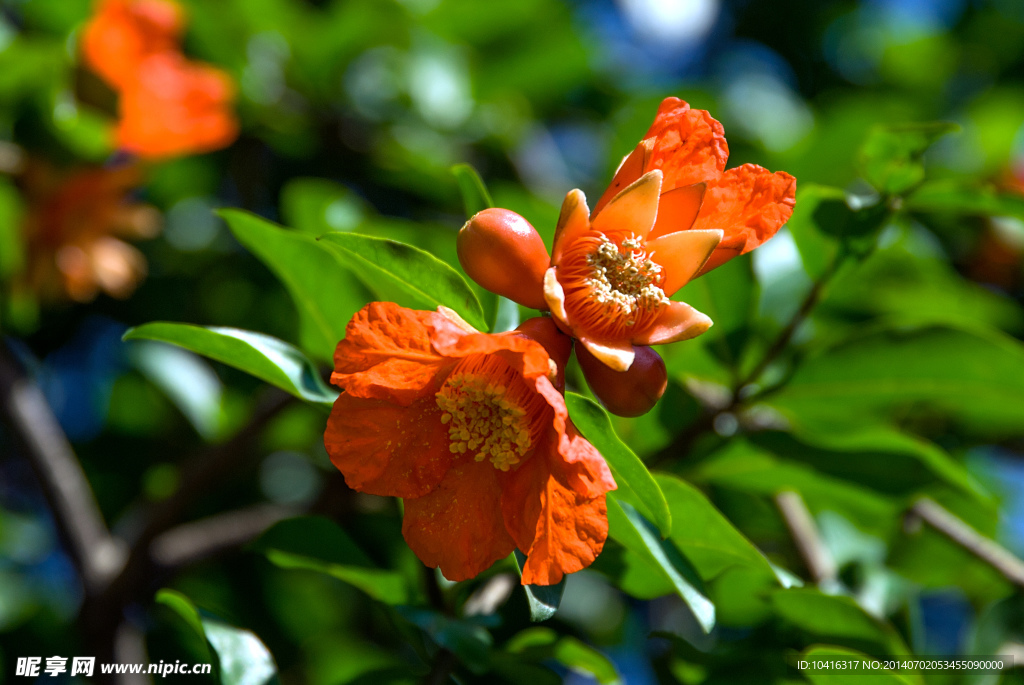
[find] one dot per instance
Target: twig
(97, 555)
(200, 540)
(801, 525)
(989, 551)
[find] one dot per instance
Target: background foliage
(865, 367)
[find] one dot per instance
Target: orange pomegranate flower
(176, 107)
(471, 430)
(122, 33)
(71, 230)
(671, 213)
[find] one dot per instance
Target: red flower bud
(502, 252)
(558, 345)
(626, 393)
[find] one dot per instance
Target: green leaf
(506, 315)
(325, 295)
(631, 475)
(837, 618)
(404, 274)
(243, 658)
(890, 158)
(316, 206)
(817, 246)
(12, 255)
(542, 599)
(964, 197)
(825, 652)
(262, 356)
(317, 544)
(627, 527)
(184, 609)
(926, 374)
(475, 197)
(539, 644)
(469, 641)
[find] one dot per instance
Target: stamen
(490, 412)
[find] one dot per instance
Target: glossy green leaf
(627, 527)
(544, 643)
(972, 377)
(837, 618)
(474, 193)
(631, 475)
(964, 197)
(543, 600)
(325, 294)
(890, 157)
(317, 544)
(470, 641)
(401, 273)
(818, 248)
(838, 677)
(262, 356)
(506, 315)
(243, 658)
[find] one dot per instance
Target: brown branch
(986, 549)
(819, 563)
(197, 541)
(97, 555)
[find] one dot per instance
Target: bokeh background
(352, 114)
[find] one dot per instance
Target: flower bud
(558, 345)
(626, 393)
(502, 252)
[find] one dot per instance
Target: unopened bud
(633, 392)
(502, 252)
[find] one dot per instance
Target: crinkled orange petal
(677, 209)
(559, 530)
(124, 32)
(387, 354)
(459, 527)
(573, 221)
(689, 145)
(385, 449)
(633, 210)
(632, 167)
(581, 467)
(750, 204)
(681, 255)
(678, 321)
(526, 356)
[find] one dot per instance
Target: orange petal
(559, 530)
(631, 168)
(689, 145)
(678, 321)
(677, 209)
(581, 467)
(387, 354)
(682, 254)
(633, 210)
(385, 449)
(573, 221)
(459, 526)
(618, 354)
(554, 295)
(750, 204)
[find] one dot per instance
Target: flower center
(490, 412)
(623, 278)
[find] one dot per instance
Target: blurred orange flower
(470, 429)
(176, 107)
(70, 230)
(169, 105)
(124, 32)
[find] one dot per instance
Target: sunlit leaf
(11, 250)
(955, 196)
(537, 644)
(890, 157)
(475, 197)
(243, 658)
(837, 618)
(325, 294)
(404, 274)
(262, 356)
(631, 475)
(543, 600)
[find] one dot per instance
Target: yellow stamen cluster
(482, 419)
(624, 278)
